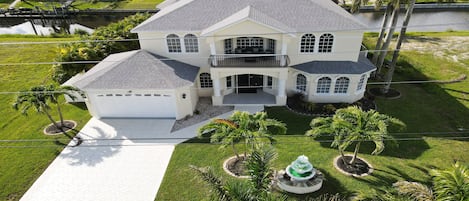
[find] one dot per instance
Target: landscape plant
(450, 184)
(352, 125)
(39, 98)
(242, 126)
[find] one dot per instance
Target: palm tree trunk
(60, 113)
(342, 155)
(395, 55)
(235, 150)
(384, 26)
(387, 41)
(357, 147)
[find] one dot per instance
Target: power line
(228, 35)
(167, 143)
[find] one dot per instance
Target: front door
(249, 83)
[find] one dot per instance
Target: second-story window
(244, 42)
(191, 44)
(307, 43)
(228, 46)
(173, 43)
(326, 41)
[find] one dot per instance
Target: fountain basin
(300, 175)
(299, 187)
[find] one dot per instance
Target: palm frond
(416, 190)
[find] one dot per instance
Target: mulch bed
(298, 105)
(392, 93)
(359, 168)
(53, 130)
(237, 167)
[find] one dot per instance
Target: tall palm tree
(242, 126)
(39, 97)
(353, 125)
(400, 39)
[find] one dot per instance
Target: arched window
(301, 83)
(325, 42)
(205, 80)
(324, 84)
(191, 43)
(361, 82)
(307, 43)
(341, 85)
(173, 43)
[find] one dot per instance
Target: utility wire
(227, 35)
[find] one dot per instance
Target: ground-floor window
(228, 82)
(341, 85)
(205, 80)
(269, 82)
(301, 83)
(360, 82)
(324, 85)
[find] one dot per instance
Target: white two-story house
(234, 51)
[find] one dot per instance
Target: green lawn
(20, 166)
(425, 108)
(139, 4)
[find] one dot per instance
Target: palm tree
(39, 97)
(448, 185)
(353, 125)
(400, 39)
(451, 184)
(242, 126)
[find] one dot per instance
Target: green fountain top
(301, 165)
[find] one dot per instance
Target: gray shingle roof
(337, 67)
(300, 15)
(137, 69)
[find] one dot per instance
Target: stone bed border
(225, 168)
(334, 162)
(59, 133)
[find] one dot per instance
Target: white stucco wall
(352, 94)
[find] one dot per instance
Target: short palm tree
(242, 126)
(448, 185)
(257, 188)
(39, 97)
(353, 125)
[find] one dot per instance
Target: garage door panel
(153, 105)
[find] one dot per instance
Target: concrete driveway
(120, 159)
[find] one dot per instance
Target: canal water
(420, 21)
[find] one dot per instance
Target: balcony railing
(249, 60)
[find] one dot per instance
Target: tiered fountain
(300, 177)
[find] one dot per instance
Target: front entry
(249, 83)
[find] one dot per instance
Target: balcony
(249, 60)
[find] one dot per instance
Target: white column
(216, 87)
(213, 51)
(281, 87)
(284, 50)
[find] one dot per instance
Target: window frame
(311, 43)
(361, 82)
(191, 42)
(205, 81)
(326, 45)
(301, 87)
(320, 87)
(172, 42)
(341, 87)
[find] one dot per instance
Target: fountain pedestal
(300, 177)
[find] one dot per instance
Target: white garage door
(145, 105)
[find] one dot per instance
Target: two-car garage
(134, 105)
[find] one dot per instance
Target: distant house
(236, 52)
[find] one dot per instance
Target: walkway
(119, 160)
